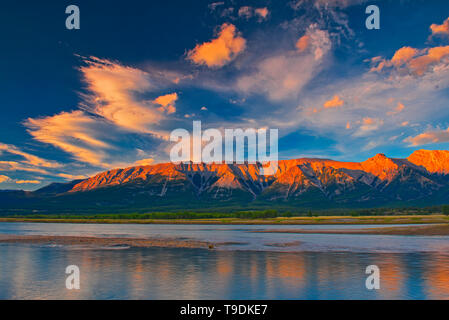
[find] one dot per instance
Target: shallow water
(318, 267)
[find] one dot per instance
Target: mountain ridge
(421, 179)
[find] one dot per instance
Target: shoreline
(429, 230)
(328, 220)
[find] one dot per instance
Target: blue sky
(78, 102)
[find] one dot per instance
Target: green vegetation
(236, 214)
(445, 210)
(160, 215)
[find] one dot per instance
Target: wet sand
(429, 230)
(107, 242)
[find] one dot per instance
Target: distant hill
(420, 180)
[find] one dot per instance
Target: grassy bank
(327, 220)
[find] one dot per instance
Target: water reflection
(36, 272)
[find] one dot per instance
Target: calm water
(311, 267)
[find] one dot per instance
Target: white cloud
(282, 76)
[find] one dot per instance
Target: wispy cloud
(114, 110)
(75, 133)
(248, 12)
(433, 136)
(27, 182)
(283, 75)
(113, 90)
(29, 158)
(17, 166)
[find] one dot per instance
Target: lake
(254, 266)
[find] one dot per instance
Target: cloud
(303, 43)
(167, 102)
(16, 166)
(412, 60)
(4, 179)
(113, 95)
(74, 132)
(30, 159)
(316, 40)
(403, 56)
(434, 55)
(213, 6)
(247, 13)
(221, 50)
(433, 136)
(144, 162)
(113, 118)
(440, 28)
(262, 13)
(335, 102)
(283, 75)
(27, 182)
(327, 4)
(400, 107)
(368, 125)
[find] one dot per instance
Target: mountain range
(420, 180)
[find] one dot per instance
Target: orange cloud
(262, 12)
(144, 162)
(74, 132)
(28, 182)
(315, 40)
(440, 28)
(436, 136)
(303, 43)
(111, 105)
(369, 124)
(220, 51)
(368, 121)
(16, 166)
(167, 102)
(4, 179)
(29, 158)
(398, 109)
(335, 102)
(404, 55)
(421, 64)
(416, 61)
(113, 88)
